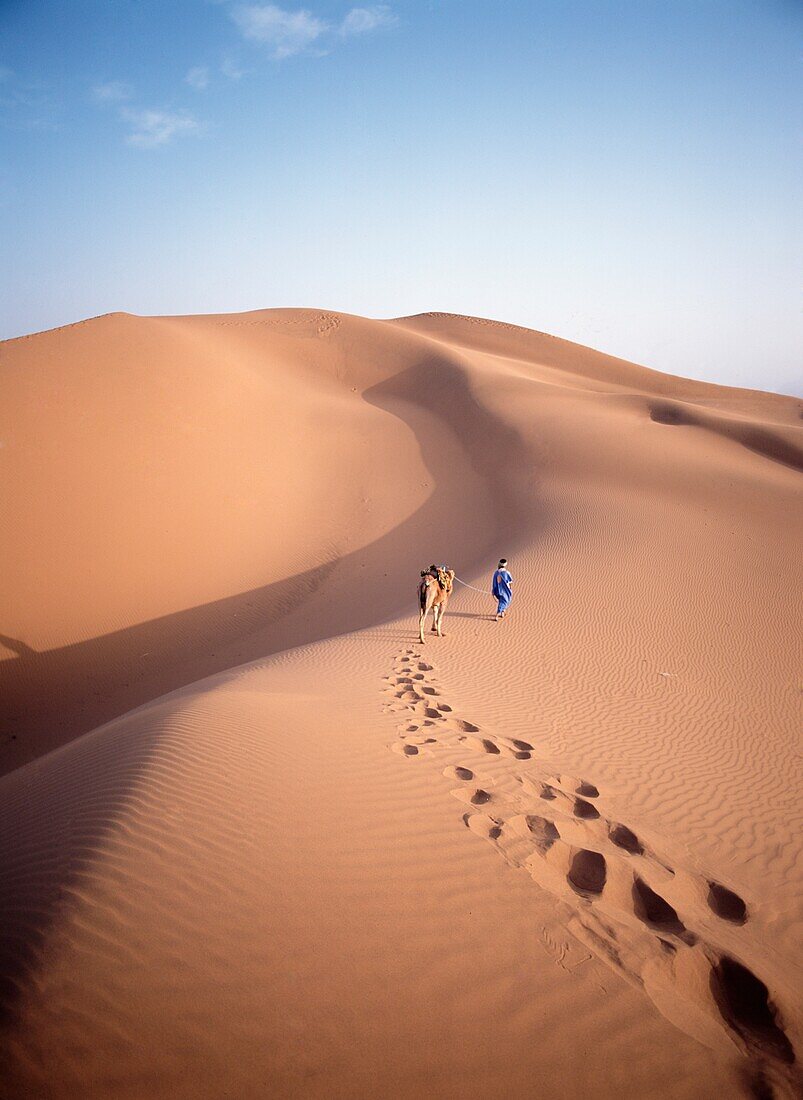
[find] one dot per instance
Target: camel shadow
(470, 615)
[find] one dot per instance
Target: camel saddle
(441, 574)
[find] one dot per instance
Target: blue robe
(501, 589)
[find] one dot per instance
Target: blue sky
(623, 173)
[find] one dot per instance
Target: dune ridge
(586, 835)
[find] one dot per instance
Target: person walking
(501, 588)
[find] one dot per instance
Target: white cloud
(364, 20)
(197, 78)
(231, 69)
(286, 32)
(114, 91)
(151, 128)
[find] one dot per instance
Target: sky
(621, 173)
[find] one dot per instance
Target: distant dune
(256, 841)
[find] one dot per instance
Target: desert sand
(257, 841)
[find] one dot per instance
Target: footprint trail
(626, 899)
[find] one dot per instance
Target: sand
(255, 840)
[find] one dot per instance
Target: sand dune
(304, 855)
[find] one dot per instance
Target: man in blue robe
(501, 588)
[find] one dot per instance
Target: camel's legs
(429, 605)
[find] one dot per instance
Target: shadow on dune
(55, 814)
(762, 441)
(53, 821)
(49, 698)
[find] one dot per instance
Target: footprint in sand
(744, 1003)
(726, 904)
(408, 694)
(519, 746)
(476, 797)
(587, 873)
(417, 739)
(466, 727)
(481, 744)
(654, 910)
(576, 786)
(543, 832)
(625, 839)
(465, 775)
(521, 750)
(406, 750)
(585, 810)
(483, 825)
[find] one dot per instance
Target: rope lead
(481, 591)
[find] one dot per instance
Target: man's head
(503, 563)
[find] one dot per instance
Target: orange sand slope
(578, 869)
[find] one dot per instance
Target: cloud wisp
(112, 91)
(289, 33)
(150, 128)
(231, 69)
(285, 32)
(364, 20)
(198, 78)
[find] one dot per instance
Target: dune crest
(586, 833)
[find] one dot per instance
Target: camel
(432, 596)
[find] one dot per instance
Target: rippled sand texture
(256, 841)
